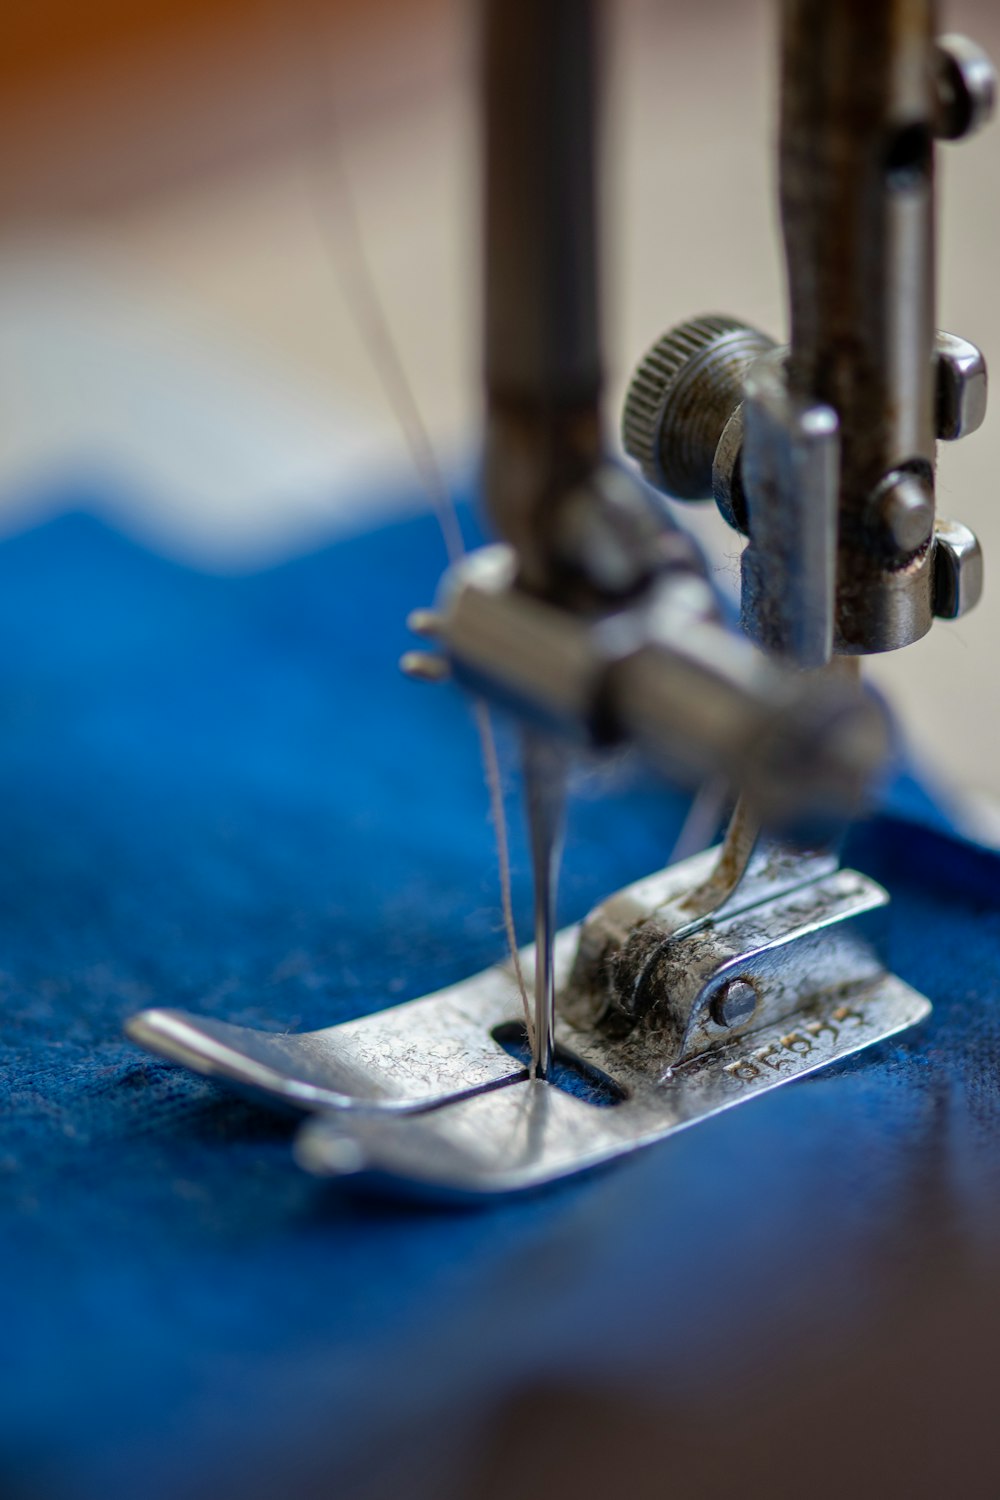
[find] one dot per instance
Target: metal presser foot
(680, 996)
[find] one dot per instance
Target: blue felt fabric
(220, 794)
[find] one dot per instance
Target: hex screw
(958, 570)
(961, 386)
(734, 1004)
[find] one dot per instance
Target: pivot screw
(903, 508)
(734, 1004)
(966, 83)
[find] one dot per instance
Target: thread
(346, 252)
(494, 785)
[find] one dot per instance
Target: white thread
(347, 253)
(491, 768)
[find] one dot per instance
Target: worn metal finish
(865, 89)
(794, 932)
(901, 515)
(541, 336)
(624, 938)
(856, 171)
(821, 936)
(664, 675)
(680, 398)
(404, 1059)
(546, 765)
(547, 487)
(734, 1004)
(742, 840)
(526, 1135)
(751, 965)
(791, 454)
(727, 474)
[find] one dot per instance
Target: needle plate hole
(568, 1072)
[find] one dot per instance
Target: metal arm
(823, 453)
(599, 625)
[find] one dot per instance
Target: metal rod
(541, 337)
(545, 767)
(541, 341)
(735, 853)
(541, 349)
(857, 199)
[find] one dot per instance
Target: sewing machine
(220, 795)
(593, 622)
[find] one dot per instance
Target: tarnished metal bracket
(531, 1133)
(782, 978)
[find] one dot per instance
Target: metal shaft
(857, 198)
(542, 353)
(541, 336)
(545, 766)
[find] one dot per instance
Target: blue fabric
(219, 793)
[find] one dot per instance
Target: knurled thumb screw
(683, 395)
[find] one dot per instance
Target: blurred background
(184, 186)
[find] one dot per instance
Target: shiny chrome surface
(402, 1059)
(966, 88)
(545, 770)
(795, 931)
(663, 674)
(962, 386)
(529, 1134)
(958, 570)
(742, 969)
(865, 92)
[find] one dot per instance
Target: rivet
(734, 1004)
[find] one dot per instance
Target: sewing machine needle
(545, 768)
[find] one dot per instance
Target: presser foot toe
(401, 1060)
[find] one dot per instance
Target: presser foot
(665, 1020)
(532, 1133)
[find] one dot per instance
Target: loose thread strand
(346, 251)
(491, 768)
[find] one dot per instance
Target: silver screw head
(903, 512)
(966, 84)
(958, 570)
(734, 1004)
(961, 386)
